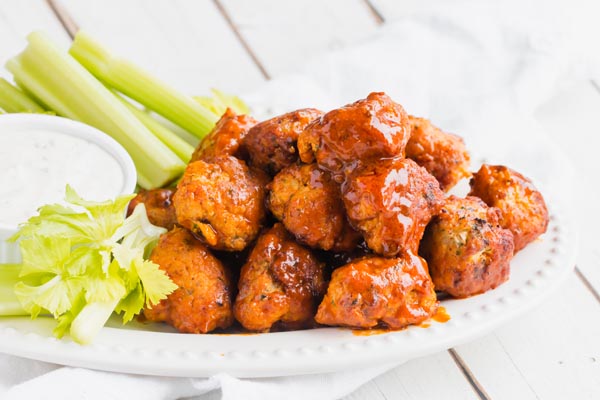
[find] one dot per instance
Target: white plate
(536, 271)
(157, 350)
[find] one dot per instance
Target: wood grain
(19, 18)
(285, 34)
(187, 43)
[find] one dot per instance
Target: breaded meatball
(443, 154)
(335, 260)
(390, 202)
(271, 145)
(222, 202)
(467, 251)
(202, 302)
(369, 129)
(309, 204)
(226, 137)
(523, 208)
(377, 291)
(159, 206)
(281, 284)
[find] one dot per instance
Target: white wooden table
(236, 45)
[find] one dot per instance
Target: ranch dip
(36, 166)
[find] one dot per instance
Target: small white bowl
(9, 252)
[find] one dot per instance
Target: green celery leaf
(54, 296)
(157, 285)
(100, 287)
(43, 254)
(132, 304)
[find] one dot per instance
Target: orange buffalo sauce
(441, 315)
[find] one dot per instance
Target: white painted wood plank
(18, 18)
(285, 34)
(552, 353)
(187, 43)
(572, 119)
(428, 378)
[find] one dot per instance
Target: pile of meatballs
(338, 218)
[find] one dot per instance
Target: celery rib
(9, 304)
(71, 91)
(139, 85)
(13, 100)
(179, 146)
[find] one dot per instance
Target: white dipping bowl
(11, 123)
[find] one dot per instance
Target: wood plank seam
(375, 12)
(241, 39)
(587, 284)
(63, 17)
(469, 376)
(518, 369)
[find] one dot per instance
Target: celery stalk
(179, 146)
(90, 320)
(13, 100)
(71, 91)
(136, 83)
(9, 304)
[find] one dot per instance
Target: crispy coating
(159, 206)
(222, 202)
(377, 291)
(271, 145)
(281, 284)
(391, 202)
(442, 154)
(335, 260)
(467, 250)
(309, 204)
(226, 137)
(523, 208)
(202, 302)
(366, 130)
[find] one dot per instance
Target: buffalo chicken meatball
(226, 137)
(308, 202)
(467, 251)
(443, 154)
(221, 201)
(202, 302)
(390, 202)
(271, 145)
(523, 208)
(377, 291)
(369, 129)
(281, 284)
(159, 207)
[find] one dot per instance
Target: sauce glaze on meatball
(390, 202)
(159, 206)
(309, 204)
(369, 129)
(226, 137)
(442, 154)
(271, 145)
(523, 208)
(377, 291)
(202, 302)
(467, 250)
(281, 284)
(221, 201)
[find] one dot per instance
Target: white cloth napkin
(475, 68)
